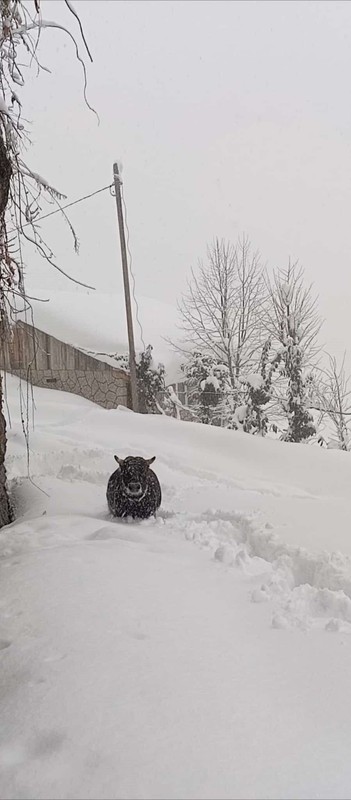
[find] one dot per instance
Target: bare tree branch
(220, 311)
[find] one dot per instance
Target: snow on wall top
(96, 322)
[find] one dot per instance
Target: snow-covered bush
(208, 383)
(216, 401)
(150, 380)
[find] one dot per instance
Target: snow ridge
(306, 589)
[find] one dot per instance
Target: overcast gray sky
(228, 117)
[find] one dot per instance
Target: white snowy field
(204, 654)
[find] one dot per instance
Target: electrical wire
(68, 205)
(131, 271)
(87, 197)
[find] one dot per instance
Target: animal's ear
(120, 461)
(150, 460)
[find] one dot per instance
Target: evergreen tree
(258, 394)
(151, 383)
(152, 393)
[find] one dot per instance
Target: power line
(68, 205)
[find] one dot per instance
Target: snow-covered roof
(95, 322)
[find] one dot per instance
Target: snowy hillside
(204, 654)
(97, 321)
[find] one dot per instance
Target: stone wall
(103, 388)
(48, 362)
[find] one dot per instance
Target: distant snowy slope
(97, 321)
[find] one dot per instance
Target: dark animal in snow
(133, 489)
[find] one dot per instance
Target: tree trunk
(5, 507)
(5, 176)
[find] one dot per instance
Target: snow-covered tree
(216, 402)
(333, 395)
(208, 382)
(255, 344)
(21, 188)
(293, 324)
(221, 310)
(150, 381)
(151, 384)
(258, 394)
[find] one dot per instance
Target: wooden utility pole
(132, 364)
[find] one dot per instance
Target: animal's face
(134, 471)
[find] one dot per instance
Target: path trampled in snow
(204, 654)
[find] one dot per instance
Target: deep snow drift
(204, 654)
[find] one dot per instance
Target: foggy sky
(228, 117)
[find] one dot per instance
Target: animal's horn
(150, 460)
(120, 461)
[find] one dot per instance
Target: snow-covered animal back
(133, 489)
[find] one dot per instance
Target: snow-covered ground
(204, 654)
